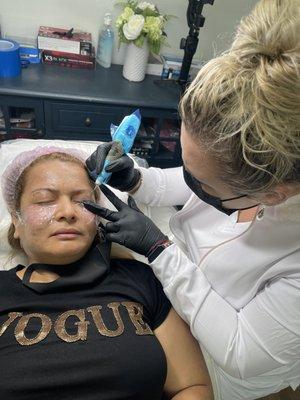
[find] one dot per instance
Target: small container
(106, 43)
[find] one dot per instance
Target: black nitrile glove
(124, 176)
(129, 226)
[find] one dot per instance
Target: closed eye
(44, 202)
(82, 199)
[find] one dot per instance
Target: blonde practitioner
(232, 268)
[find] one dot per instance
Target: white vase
(135, 63)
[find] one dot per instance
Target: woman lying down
(75, 323)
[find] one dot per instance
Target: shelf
(20, 130)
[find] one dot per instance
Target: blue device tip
(137, 113)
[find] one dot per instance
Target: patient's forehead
(57, 173)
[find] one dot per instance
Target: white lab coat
(236, 284)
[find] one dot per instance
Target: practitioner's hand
(124, 176)
(128, 226)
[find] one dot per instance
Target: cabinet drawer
(69, 120)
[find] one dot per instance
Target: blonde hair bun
(271, 31)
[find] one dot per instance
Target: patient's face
(53, 226)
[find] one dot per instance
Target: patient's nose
(66, 209)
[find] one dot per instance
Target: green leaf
(139, 41)
(166, 44)
(149, 13)
(129, 3)
(155, 46)
(167, 17)
(132, 3)
(122, 4)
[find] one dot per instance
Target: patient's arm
(187, 377)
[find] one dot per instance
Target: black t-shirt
(83, 341)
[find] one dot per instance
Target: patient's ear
(16, 223)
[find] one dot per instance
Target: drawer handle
(88, 122)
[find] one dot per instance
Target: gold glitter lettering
(43, 332)
(135, 311)
(102, 329)
(60, 326)
(11, 317)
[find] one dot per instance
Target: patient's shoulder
(6, 273)
(135, 274)
(138, 281)
(132, 268)
(10, 288)
(9, 275)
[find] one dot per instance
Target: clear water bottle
(106, 43)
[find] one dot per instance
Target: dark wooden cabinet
(52, 102)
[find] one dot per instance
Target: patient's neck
(44, 275)
(40, 276)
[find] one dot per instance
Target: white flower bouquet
(141, 21)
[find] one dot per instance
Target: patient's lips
(66, 233)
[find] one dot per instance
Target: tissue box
(55, 39)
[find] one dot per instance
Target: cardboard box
(69, 60)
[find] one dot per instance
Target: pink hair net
(22, 161)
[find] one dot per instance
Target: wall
(23, 17)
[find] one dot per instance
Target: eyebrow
(79, 191)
